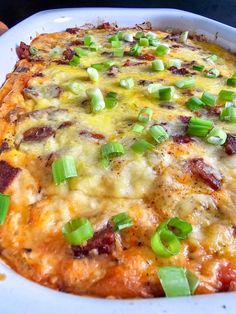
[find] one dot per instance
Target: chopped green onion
(227, 95)
(88, 40)
(74, 87)
(231, 82)
(122, 221)
(208, 99)
(154, 89)
(144, 42)
(140, 146)
(151, 35)
(162, 50)
(94, 47)
(158, 133)
(93, 74)
(184, 37)
(112, 149)
(216, 136)
(193, 281)
(116, 44)
(158, 65)
(80, 52)
(98, 66)
(234, 76)
(174, 63)
(33, 50)
(166, 93)
(228, 114)
(174, 281)
(213, 73)
(118, 52)
(185, 83)
(4, 205)
(112, 94)
(63, 168)
(127, 83)
(194, 103)
(212, 58)
(145, 115)
(135, 50)
(139, 35)
(154, 42)
(137, 128)
(77, 231)
(111, 100)
(199, 127)
(120, 35)
(97, 101)
(198, 67)
(179, 227)
(113, 38)
(74, 61)
(55, 52)
(128, 37)
(165, 244)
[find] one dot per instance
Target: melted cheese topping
(151, 187)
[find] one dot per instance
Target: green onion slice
(80, 52)
(145, 115)
(139, 35)
(63, 168)
(179, 227)
(88, 40)
(199, 127)
(198, 67)
(194, 103)
(193, 281)
(122, 221)
(4, 206)
(118, 52)
(112, 149)
(110, 101)
(231, 82)
(141, 146)
(208, 99)
(166, 93)
(212, 58)
(113, 38)
(33, 50)
(213, 73)
(216, 136)
(227, 95)
(185, 83)
(184, 37)
(128, 37)
(74, 61)
(127, 83)
(74, 87)
(135, 50)
(158, 133)
(93, 74)
(97, 100)
(158, 65)
(77, 231)
(164, 243)
(137, 128)
(174, 63)
(162, 50)
(115, 44)
(144, 42)
(228, 114)
(174, 281)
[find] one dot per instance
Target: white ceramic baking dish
(20, 296)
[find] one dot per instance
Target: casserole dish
(219, 37)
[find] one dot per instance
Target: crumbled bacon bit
(107, 25)
(68, 54)
(4, 146)
(7, 174)
(72, 30)
(144, 26)
(167, 104)
(227, 278)
(146, 56)
(205, 172)
(113, 71)
(230, 144)
(181, 71)
(182, 139)
(76, 42)
(103, 242)
(23, 51)
(213, 110)
(184, 119)
(129, 63)
(38, 133)
(144, 82)
(65, 124)
(96, 136)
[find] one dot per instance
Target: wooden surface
(3, 28)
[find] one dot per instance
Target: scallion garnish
(185, 83)
(139, 35)
(127, 83)
(33, 50)
(137, 128)
(113, 38)
(177, 281)
(183, 37)
(111, 100)
(154, 42)
(97, 100)
(212, 58)
(128, 37)
(88, 40)
(198, 67)
(162, 50)
(166, 93)
(63, 169)
(216, 136)
(194, 103)
(144, 42)
(231, 82)
(116, 44)
(227, 95)
(164, 243)
(77, 231)
(4, 205)
(122, 221)
(135, 50)
(93, 74)
(213, 73)
(228, 114)
(120, 35)
(158, 65)
(199, 127)
(98, 66)
(140, 146)
(74, 87)
(158, 133)
(145, 115)
(208, 99)
(112, 149)
(174, 63)
(118, 52)
(179, 227)
(80, 52)
(74, 61)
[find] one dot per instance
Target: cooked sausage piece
(230, 144)
(7, 174)
(38, 133)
